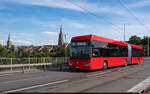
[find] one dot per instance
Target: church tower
(9, 42)
(60, 39)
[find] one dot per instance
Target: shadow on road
(66, 69)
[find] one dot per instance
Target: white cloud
(140, 3)
(2, 42)
(50, 33)
(2, 7)
(48, 3)
(24, 42)
(56, 24)
(72, 24)
(43, 23)
(65, 4)
(77, 25)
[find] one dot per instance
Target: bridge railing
(11, 64)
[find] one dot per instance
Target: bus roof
(136, 46)
(99, 38)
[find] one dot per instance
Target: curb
(27, 71)
(142, 87)
(19, 71)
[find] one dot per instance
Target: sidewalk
(142, 87)
(64, 68)
(18, 71)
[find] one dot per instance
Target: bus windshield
(80, 49)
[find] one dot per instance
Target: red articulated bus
(94, 52)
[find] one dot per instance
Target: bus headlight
(87, 64)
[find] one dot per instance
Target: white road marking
(25, 79)
(19, 80)
(36, 86)
(142, 86)
(14, 72)
(97, 73)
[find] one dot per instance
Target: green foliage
(3, 52)
(141, 42)
(52, 54)
(144, 40)
(11, 55)
(67, 51)
(62, 52)
(135, 40)
(25, 54)
(59, 53)
(41, 54)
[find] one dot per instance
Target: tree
(25, 54)
(61, 52)
(11, 55)
(135, 40)
(145, 44)
(3, 52)
(141, 42)
(41, 54)
(145, 40)
(68, 51)
(52, 54)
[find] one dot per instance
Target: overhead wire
(93, 14)
(137, 19)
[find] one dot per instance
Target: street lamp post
(124, 32)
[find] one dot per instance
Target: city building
(32, 50)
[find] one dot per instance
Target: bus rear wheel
(104, 65)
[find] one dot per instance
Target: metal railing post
(44, 64)
(57, 63)
(11, 63)
(22, 67)
(61, 63)
(29, 63)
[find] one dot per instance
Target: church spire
(8, 42)
(9, 36)
(61, 28)
(60, 40)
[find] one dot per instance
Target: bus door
(129, 54)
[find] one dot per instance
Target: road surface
(118, 79)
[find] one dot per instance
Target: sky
(37, 22)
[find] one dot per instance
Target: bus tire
(105, 65)
(125, 63)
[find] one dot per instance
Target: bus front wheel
(104, 65)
